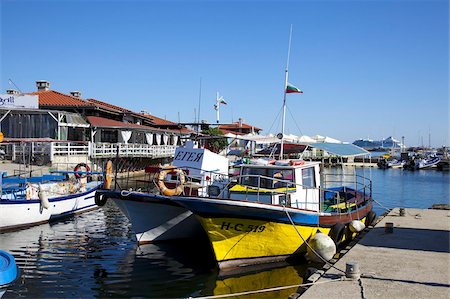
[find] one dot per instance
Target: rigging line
(12, 83)
(276, 118)
(295, 122)
(307, 244)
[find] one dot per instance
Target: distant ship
(388, 143)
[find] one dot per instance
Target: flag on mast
(293, 89)
(221, 101)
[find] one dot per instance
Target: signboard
(11, 101)
(199, 160)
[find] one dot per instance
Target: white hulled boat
(154, 217)
(26, 202)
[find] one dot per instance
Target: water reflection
(95, 254)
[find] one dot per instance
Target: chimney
(42, 85)
(76, 94)
(240, 122)
(12, 91)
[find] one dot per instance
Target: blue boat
(8, 269)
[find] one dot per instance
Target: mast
(217, 107)
(283, 122)
(199, 102)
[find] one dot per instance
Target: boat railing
(336, 196)
(358, 182)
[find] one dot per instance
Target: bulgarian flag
(292, 89)
(221, 101)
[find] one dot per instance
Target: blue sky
(367, 68)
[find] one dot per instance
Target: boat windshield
(268, 178)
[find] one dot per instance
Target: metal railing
(47, 151)
(110, 150)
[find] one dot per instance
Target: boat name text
(188, 156)
(239, 227)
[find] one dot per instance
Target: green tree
(215, 144)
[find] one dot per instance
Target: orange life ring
(107, 175)
(78, 167)
(162, 186)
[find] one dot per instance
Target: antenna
(12, 83)
(199, 101)
(284, 92)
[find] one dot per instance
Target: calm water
(94, 254)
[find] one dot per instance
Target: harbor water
(95, 255)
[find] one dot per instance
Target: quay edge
(411, 262)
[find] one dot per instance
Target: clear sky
(367, 68)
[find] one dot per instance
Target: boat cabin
(280, 184)
(202, 166)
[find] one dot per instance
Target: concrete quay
(411, 262)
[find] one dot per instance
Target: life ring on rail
(78, 167)
(107, 175)
(162, 186)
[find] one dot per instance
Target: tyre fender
(100, 199)
(370, 218)
(337, 233)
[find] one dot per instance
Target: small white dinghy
(31, 201)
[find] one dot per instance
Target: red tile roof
(102, 122)
(224, 131)
(159, 121)
(237, 125)
(53, 98)
(108, 106)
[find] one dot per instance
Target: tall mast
(283, 122)
(199, 102)
(217, 107)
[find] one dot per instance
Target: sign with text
(11, 101)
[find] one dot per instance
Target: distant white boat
(427, 163)
(396, 164)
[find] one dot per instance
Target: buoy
(323, 246)
(356, 226)
(43, 198)
(8, 268)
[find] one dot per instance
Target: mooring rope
(268, 290)
(376, 201)
(307, 244)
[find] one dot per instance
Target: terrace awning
(341, 149)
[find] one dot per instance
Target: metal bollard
(352, 270)
(389, 228)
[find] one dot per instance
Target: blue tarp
(341, 149)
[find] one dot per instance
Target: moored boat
(274, 210)
(427, 163)
(31, 201)
(396, 163)
(154, 216)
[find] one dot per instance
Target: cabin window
(267, 178)
(308, 178)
